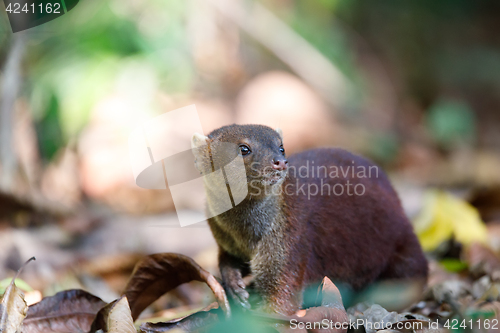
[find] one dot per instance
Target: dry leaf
(451, 290)
(13, 307)
(67, 311)
(159, 273)
(115, 318)
(330, 295)
(197, 320)
(481, 259)
(331, 310)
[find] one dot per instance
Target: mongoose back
(321, 212)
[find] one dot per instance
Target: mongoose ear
(280, 132)
(198, 140)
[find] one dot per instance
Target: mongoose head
(260, 147)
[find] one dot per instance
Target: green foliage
(48, 129)
(317, 22)
(454, 265)
(81, 60)
(19, 283)
(451, 122)
(384, 147)
(427, 48)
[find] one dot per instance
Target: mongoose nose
(280, 164)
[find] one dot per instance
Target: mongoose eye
(244, 150)
(282, 150)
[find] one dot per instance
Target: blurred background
(413, 85)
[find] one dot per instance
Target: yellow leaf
(444, 216)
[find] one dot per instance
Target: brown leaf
(159, 273)
(330, 294)
(13, 307)
(481, 259)
(331, 310)
(114, 318)
(65, 312)
(450, 291)
(200, 319)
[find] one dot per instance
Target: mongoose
(321, 212)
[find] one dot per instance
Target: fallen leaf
(331, 310)
(453, 265)
(67, 311)
(444, 216)
(197, 320)
(115, 318)
(481, 288)
(329, 295)
(13, 307)
(481, 259)
(12, 310)
(159, 273)
(377, 317)
(450, 290)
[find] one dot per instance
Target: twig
(10, 84)
(303, 58)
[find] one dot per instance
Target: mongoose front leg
(277, 279)
(279, 295)
(232, 272)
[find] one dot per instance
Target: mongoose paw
(240, 295)
(235, 288)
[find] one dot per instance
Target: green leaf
(20, 283)
(454, 265)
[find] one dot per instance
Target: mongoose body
(322, 212)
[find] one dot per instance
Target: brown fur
(287, 240)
